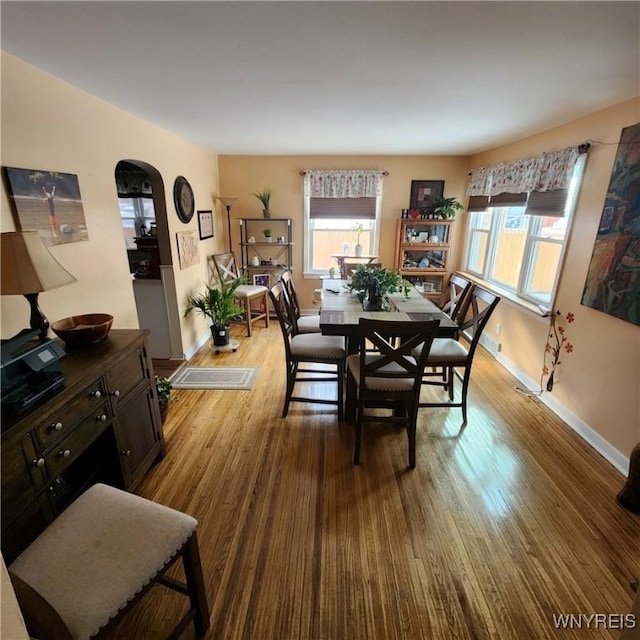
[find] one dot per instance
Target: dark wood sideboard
(104, 426)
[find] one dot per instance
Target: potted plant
(164, 389)
(265, 198)
(268, 237)
(446, 207)
(358, 229)
(218, 304)
(374, 284)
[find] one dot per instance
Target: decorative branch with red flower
(556, 342)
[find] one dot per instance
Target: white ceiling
(339, 77)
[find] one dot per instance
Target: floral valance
(549, 171)
(354, 183)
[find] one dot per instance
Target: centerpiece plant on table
(374, 284)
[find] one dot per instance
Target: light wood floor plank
(499, 527)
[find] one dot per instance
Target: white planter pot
(359, 249)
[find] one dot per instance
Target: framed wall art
(612, 284)
(188, 251)
(261, 280)
(424, 194)
(205, 224)
(48, 202)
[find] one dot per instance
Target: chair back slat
(396, 343)
(280, 304)
(225, 267)
(459, 289)
(475, 314)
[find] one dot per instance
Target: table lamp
(28, 268)
(227, 202)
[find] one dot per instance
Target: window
(135, 212)
(519, 252)
(326, 236)
(336, 203)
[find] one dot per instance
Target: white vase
(359, 249)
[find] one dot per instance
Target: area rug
(215, 378)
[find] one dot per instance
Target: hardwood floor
(498, 529)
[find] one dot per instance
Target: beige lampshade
(28, 266)
(226, 201)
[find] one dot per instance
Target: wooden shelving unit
(422, 254)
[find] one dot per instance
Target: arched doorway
(143, 212)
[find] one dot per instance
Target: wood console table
(103, 426)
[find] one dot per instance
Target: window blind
(508, 200)
(477, 204)
(547, 203)
(343, 208)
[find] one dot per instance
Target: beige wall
(600, 382)
(51, 125)
(242, 175)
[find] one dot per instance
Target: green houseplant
(218, 304)
(446, 207)
(164, 389)
(267, 235)
(374, 284)
(264, 195)
(357, 230)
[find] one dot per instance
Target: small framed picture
(205, 224)
(261, 280)
(424, 194)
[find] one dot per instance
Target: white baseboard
(202, 340)
(590, 435)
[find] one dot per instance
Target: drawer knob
(115, 394)
(126, 452)
(65, 454)
(96, 394)
(102, 417)
(56, 426)
(38, 463)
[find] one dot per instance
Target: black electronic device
(29, 371)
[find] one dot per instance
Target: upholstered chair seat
(315, 345)
(104, 550)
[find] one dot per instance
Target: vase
(372, 303)
(359, 250)
(266, 213)
(220, 335)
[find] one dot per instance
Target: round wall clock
(183, 199)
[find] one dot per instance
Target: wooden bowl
(85, 329)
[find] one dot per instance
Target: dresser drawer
(127, 374)
(74, 444)
(89, 401)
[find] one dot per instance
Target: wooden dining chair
(391, 377)
(302, 324)
(224, 267)
(308, 349)
(98, 558)
(347, 267)
(453, 355)
(459, 288)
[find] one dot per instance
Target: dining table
(341, 310)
